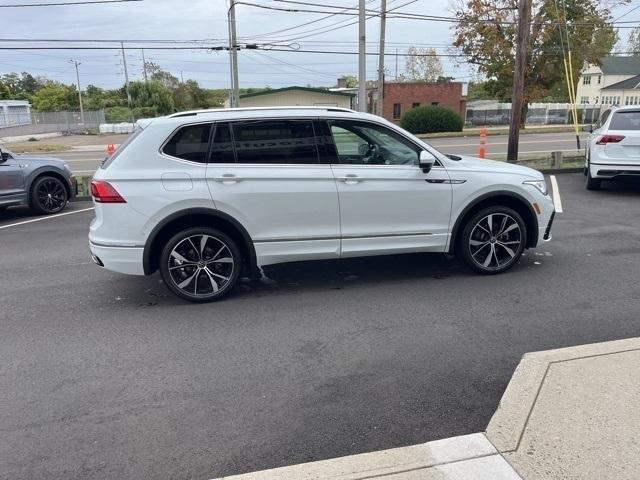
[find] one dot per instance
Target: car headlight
(541, 185)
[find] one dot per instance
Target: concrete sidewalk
(571, 413)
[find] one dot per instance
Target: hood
(483, 165)
(39, 159)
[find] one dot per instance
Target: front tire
(200, 264)
(492, 240)
(48, 195)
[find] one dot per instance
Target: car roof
(194, 116)
(625, 108)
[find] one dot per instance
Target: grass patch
(37, 148)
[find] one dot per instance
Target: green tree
(55, 96)
(4, 91)
(351, 81)
(151, 94)
(486, 34)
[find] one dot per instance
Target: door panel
(11, 180)
(285, 199)
(387, 203)
(393, 208)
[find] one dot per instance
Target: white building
(14, 112)
(297, 96)
(610, 83)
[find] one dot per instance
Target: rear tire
(593, 183)
(48, 195)
(492, 240)
(200, 264)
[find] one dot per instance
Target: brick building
(401, 97)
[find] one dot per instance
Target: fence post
(556, 159)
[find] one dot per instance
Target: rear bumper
(127, 260)
(614, 170)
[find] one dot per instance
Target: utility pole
(126, 79)
(181, 77)
(383, 22)
(144, 66)
(517, 100)
(233, 55)
(76, 63)
(362, 58)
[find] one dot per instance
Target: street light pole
(383, 21)
(362, 58)
(76, 63)
(233, 55)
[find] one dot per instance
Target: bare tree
(422, 65)
(634, 41)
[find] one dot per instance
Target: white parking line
(557, 201)
(45, 218)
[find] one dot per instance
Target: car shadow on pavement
(320, 275)
(622, 187)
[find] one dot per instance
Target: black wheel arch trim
(532, 237)
(48, 170)
(146, 256)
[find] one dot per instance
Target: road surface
(110, 376)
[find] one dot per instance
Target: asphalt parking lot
(108, 376)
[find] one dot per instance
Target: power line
(58, 4)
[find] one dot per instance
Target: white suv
(204, 195)
(613, 149)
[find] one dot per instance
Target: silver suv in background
(44, 184)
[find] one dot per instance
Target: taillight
(604, 139)
(103, 192)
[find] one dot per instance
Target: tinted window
(190, 143)
(370, 144)
(275, 141)
(625, 121)
(222, 148)
(603, 118)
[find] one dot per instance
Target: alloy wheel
(201, 265)
(51, 195)
(495, 241)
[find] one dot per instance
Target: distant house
(14, 112)
(613, 82)
(400, 97)
(297, 96)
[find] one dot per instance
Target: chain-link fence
(492, 113)
(19, 124)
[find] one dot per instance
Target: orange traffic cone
(483, 141)
(111, 149)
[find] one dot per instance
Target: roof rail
(243, 109)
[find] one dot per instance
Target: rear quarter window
(190, 142)
(629, 120)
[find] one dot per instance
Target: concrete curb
(508, 424)
(471, 457)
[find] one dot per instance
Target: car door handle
(228, 178)
(350, 178)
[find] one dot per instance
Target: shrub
(117, 114)
(431, 119)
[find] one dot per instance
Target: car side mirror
(3, 156)
(426, 161)
(587, 128)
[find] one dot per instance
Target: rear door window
(625, 121)
(275, 141)
(190, 142)
(222, 147)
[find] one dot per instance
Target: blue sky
(206, 19)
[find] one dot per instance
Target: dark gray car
(44, 184)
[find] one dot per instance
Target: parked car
(613, 148)
(45, 184)
(203, 195)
